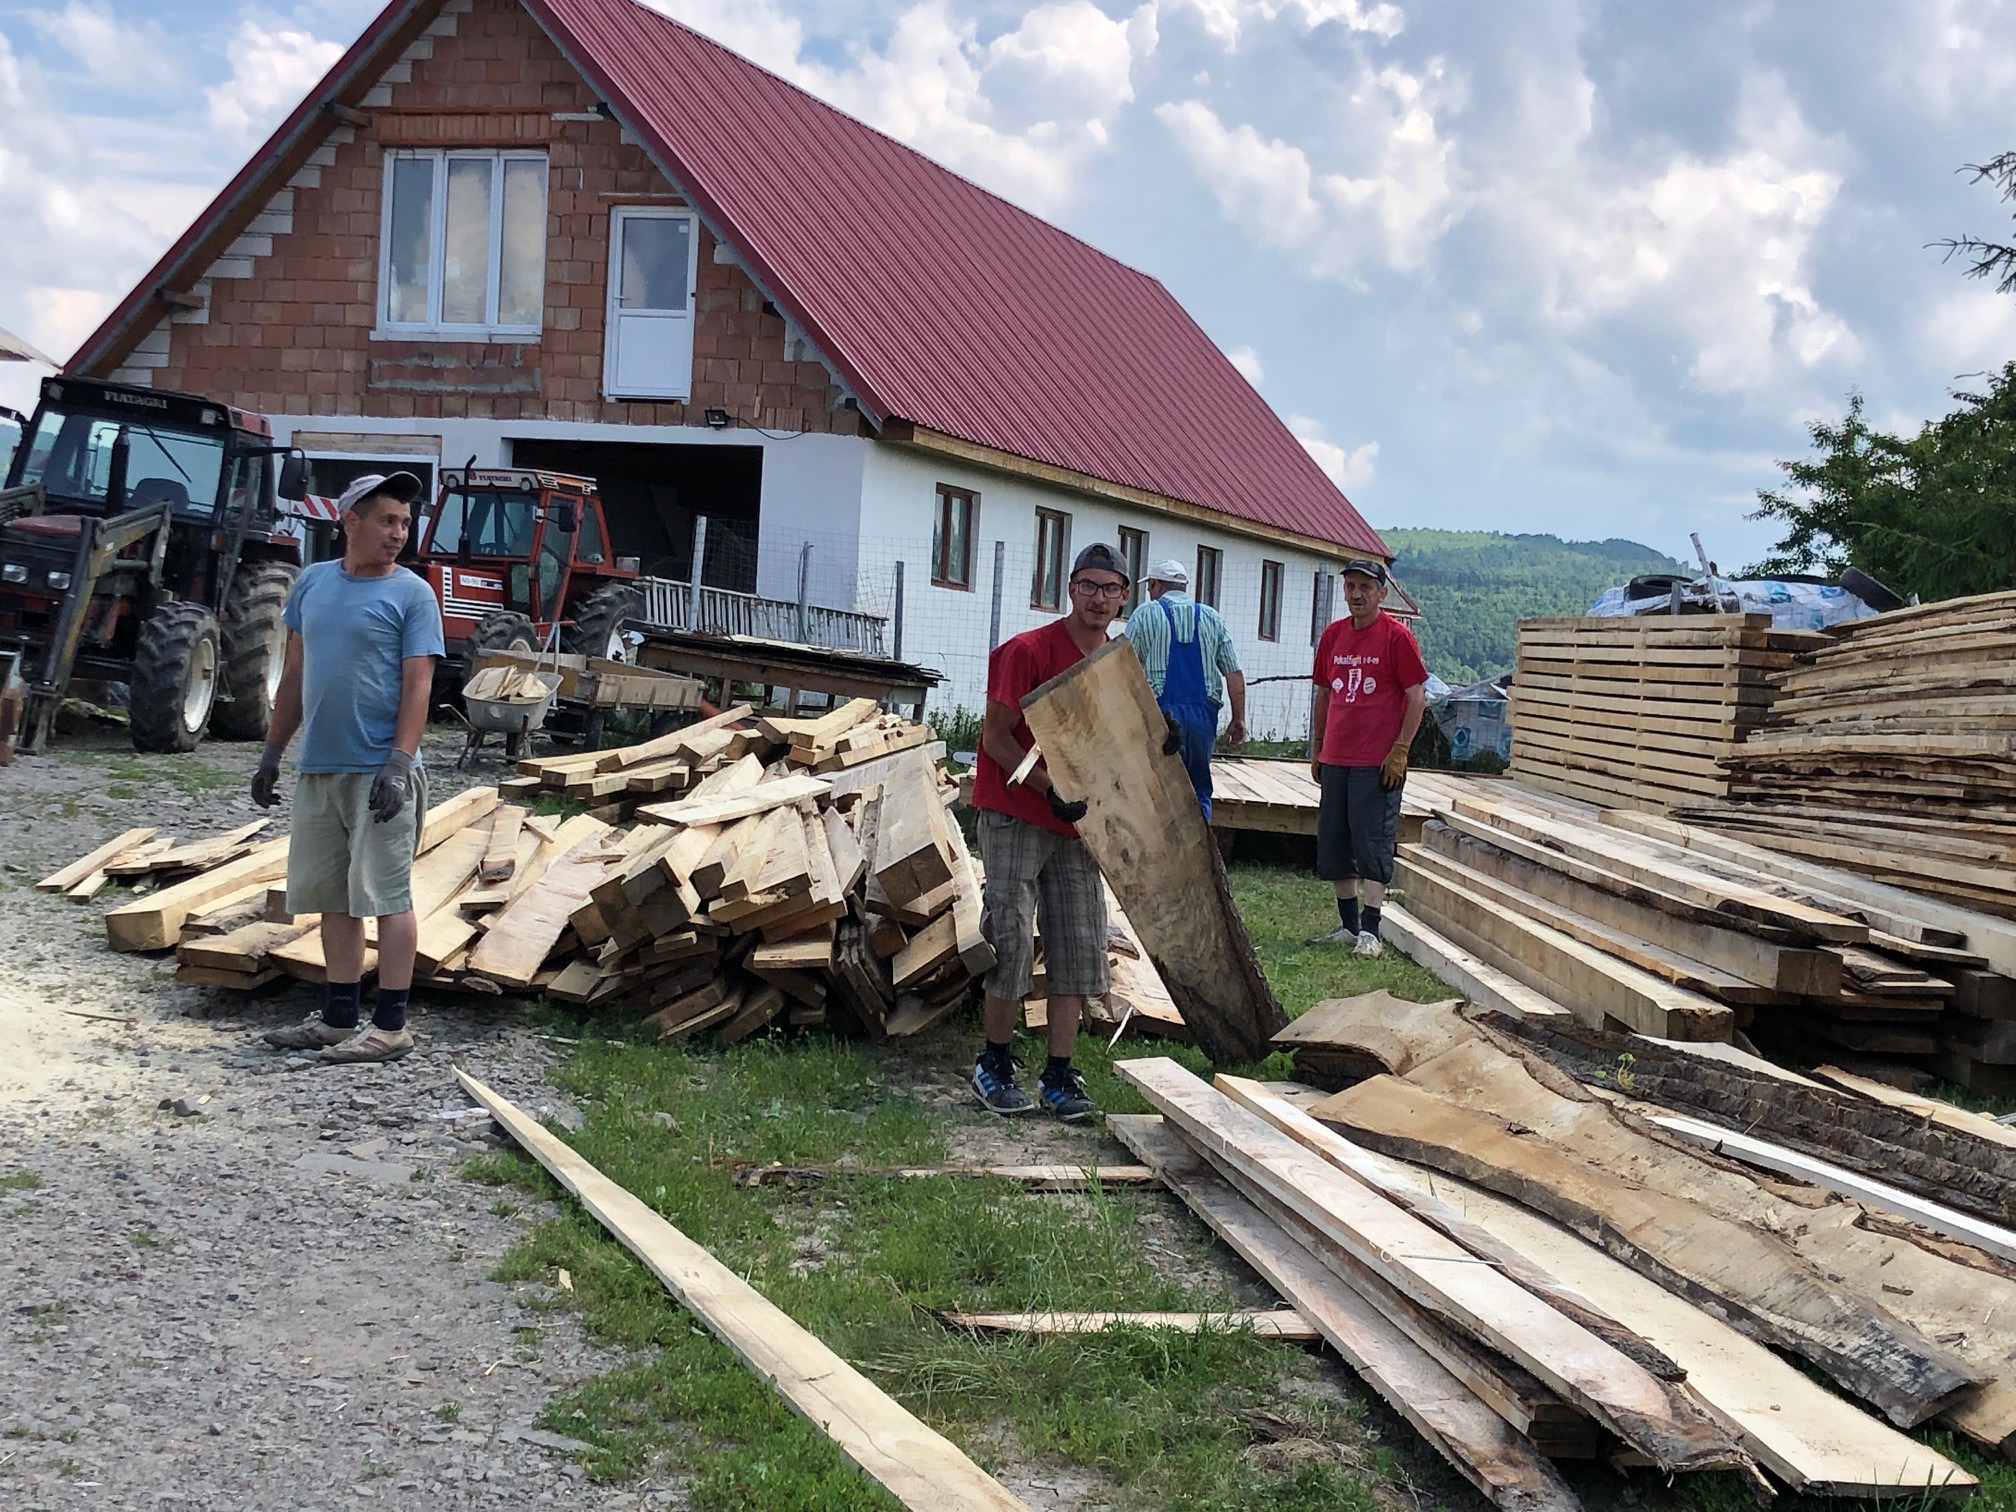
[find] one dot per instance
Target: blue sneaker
(1065, 1096)
(996, 1089)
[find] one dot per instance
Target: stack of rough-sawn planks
(1891, 750)
(769, 892)
(1531, 1266)
(1638, 712)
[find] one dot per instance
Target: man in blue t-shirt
(363, 635)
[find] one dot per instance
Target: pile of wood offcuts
(1505, 1233)
(1891, 750)
(808, 872)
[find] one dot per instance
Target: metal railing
(671, 605)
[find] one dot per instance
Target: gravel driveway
(280, 1299)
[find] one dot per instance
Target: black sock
(1347, 913)
(1056, 1067)
(1368, 921)
(999, 1057)
(389, 1011)
(339, 1004)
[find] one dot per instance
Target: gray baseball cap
(1370, 568)
(1100, 557)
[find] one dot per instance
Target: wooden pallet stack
(1891, 750)
(1454, 1224)
(1639, 712)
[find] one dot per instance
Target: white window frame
(437, 235)
(613, 279)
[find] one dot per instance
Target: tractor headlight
(13, 572)
(60, 581)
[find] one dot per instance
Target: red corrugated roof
(942, 304)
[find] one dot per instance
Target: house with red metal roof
(580, 236)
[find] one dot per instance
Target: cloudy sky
(1575, 267)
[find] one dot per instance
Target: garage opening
(653, 494)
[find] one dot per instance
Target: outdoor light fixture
(718, 418)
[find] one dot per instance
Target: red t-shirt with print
(1017, 666)
(1368, 673)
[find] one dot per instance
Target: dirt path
(280, 1301)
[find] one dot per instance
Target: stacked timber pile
(1640, 711)
(1629, 1252)
(1556, 911)
(853, 738)
(1891, 750)
(808, 873)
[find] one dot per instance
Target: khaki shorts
(1037, 875)
(340, 859)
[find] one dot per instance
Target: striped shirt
(1148, 629)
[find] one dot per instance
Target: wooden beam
(775, 793)
(67, 877)
(1471, 975)
(1437, 1273)
(1485, 1449)
(913, 854)
(1261, 1322)
(1102, 732)
(514, 948)
(922, 1469)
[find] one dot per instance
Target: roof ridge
(742, 61)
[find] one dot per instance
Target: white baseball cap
(1170, 571)
(403, 486)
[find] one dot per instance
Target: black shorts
(1357, 826)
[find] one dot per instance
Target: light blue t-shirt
(356, 633)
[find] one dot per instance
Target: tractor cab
(139, 543)
(510, 552)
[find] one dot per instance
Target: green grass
(20, 1181)
(1283, 907)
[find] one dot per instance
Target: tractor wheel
(599, 622)
(175, 673)
(503, 630)
(255, 649)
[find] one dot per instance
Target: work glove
(1069, 813)
(266, 780)
(388, 788)
(1172, 742)
(1393, 770)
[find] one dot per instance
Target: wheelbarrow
(513, 704)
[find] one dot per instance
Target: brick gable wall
(289, 309)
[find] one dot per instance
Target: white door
(648, 352)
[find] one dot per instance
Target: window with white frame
(463, 243)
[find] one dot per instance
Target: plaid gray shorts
(1035, 875)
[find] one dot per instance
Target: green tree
(1934, 515)
(1988, 259)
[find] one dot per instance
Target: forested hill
(1474, 586)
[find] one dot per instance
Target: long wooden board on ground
(1432, 1270)
(1101, 734)
(1482, 1446)
(65, 878)
(1470, 974)
(920, 1467)
(1261, 1322)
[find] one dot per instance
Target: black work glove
(266, 780)
(1068, 812)
(388, 788)
(1173, 741)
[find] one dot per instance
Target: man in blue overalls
(1187, 653)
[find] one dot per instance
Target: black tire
(255, 649)
(600, 618)
(175, 676)
(504, 630)
(1871, 592)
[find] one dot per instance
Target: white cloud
(1348, 468)
(1021, 114)
(270, 72)
(1247, 361)
(1225, 20)
(112, 51)
(1972, 325)
(1390, 213)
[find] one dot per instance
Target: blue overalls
(1184, 700)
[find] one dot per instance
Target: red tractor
(512, 551)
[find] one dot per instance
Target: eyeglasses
(1098, 590)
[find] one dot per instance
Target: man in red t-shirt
(1371, 689)
(1037, 867)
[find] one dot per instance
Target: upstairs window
(1204, 586)
(463, 244)
(952, 539)
(1053, 550)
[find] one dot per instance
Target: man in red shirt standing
(1038, 870)
(1371, 689)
